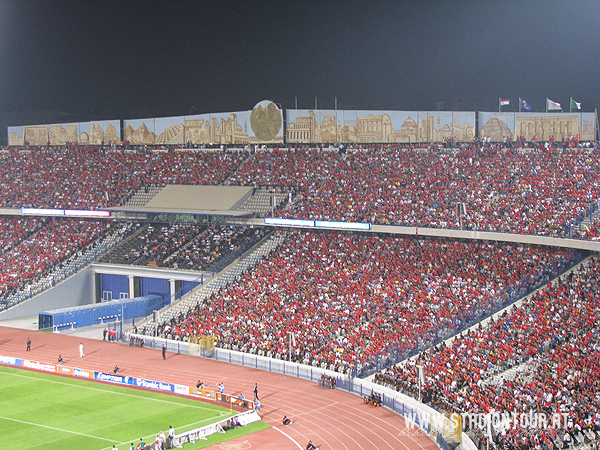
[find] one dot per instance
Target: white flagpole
(570, 104)
(519, 104)
(596, 131)
(546, 104)
(336, 127)
(499, 104)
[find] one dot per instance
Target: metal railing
(68, 268)
(397, 352)
(401, 404)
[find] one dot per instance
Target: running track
(332, 418)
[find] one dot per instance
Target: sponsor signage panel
(113, 378)
(39, 366)
(156, 385)
(10, 360)
(202, 393)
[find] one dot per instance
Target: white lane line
(290, 438)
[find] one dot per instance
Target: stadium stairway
(261, 201)
(496, 372)
(228, 275)
(590, 220)
(70, 266)
(142, 196)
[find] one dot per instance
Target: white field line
(54, 428)
(191, 426)
(112, 392)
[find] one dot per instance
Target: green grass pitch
(45, 411)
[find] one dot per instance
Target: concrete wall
(579, 244)
(74, 291)
(80, 288)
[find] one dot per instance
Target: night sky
(106, 59)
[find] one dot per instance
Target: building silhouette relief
(496, 130)
(541, 127)
(36, 135)
(304, 129)
(212, 130)
(172, 135)
(14, 138)
(375, 128)
(39, 135)
(141, 135)
(313, 126)
(216, 131)
(58, 134)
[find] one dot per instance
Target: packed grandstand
(360, 303)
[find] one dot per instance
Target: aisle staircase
(227, 276)
(70, 266)
(142, 196)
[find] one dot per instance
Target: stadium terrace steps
(220, 281)
(261, 201)
(143, 195)
(69, 267)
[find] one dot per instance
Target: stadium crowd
(14, 229)
(203, 250)
(154, 244)
(491, 187)
(348, 297)
(32, 247)
(552, 337)
(182, 246)
(81, 177)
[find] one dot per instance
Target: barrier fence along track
(331, 417)
(403, 405)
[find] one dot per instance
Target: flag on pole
(575, 105)
(504, 101)
(553, 105)
(525, 105)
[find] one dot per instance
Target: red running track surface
(331, 418)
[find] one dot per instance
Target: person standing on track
(255, 392)
(81, 349)
(28, 344)
(164, 351)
